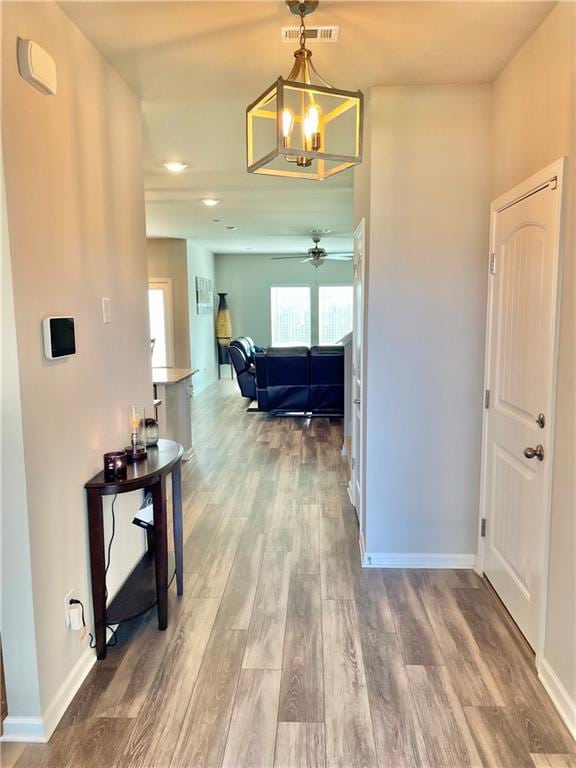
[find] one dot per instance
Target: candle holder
(115, 466)
(151, 432)
(136, 451)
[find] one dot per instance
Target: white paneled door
(356, 482)
(520, 380)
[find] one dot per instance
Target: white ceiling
(196, 65)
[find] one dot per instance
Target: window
(334, 312)
(160, 306)
(290, 306)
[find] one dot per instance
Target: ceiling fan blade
(338, 257)
(285, 257)
(341, 253)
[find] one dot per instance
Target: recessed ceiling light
(230, 226)
(210, 201)
(175, 166)
(216, 221)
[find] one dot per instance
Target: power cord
(114, 637)
(109, 550)
(73, 601)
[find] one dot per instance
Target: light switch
(106, 313)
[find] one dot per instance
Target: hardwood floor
(284, 652)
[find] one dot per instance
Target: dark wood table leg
(178, 526)
(97, 568)
(161, 550)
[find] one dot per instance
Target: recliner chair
(242, 353)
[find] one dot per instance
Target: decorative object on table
(318, 255)
(115, 466)
(223, 331)
(203, 296)
(302, 129)
(150, 431)
(136, 451)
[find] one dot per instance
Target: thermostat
(59, 337)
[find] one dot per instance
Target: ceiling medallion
(302, 127)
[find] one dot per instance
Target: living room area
(241, 304)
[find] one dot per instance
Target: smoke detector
(324, 34)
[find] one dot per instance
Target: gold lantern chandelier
(302, 127)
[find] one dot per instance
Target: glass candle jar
(151, 432)
(136, 420)
(115, 466)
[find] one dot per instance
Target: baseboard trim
(38, 730)
(29, 730)
(416, 560)
(561, 699)
(197, 389)
(362, 548)
(69, 688)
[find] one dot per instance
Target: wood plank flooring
(285, 653)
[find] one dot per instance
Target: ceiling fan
(317, 255)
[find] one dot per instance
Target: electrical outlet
(67, 598)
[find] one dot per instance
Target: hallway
(284, 652)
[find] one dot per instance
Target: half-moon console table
(149, 474)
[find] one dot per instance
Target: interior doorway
(357, 458)
(518, 429)
(161, 321)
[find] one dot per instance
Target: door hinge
(492, 263)
(483, 528)
(554, 183)
(487, 399)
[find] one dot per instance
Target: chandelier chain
(302, 26)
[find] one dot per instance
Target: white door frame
(359, 503)
(535, 183)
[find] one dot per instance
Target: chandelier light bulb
(311, 128)
(287, 124)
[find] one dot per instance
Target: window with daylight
(290, 305)
(334, 312)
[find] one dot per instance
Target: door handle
(356, 402)
(535, 453)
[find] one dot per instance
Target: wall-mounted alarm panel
(59, 337)
(37, 67)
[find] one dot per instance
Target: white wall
(534, 125)
(73, 169)
(167, 258)
(248, 279)
(427, 248)
(202, 328)
(16, 606)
